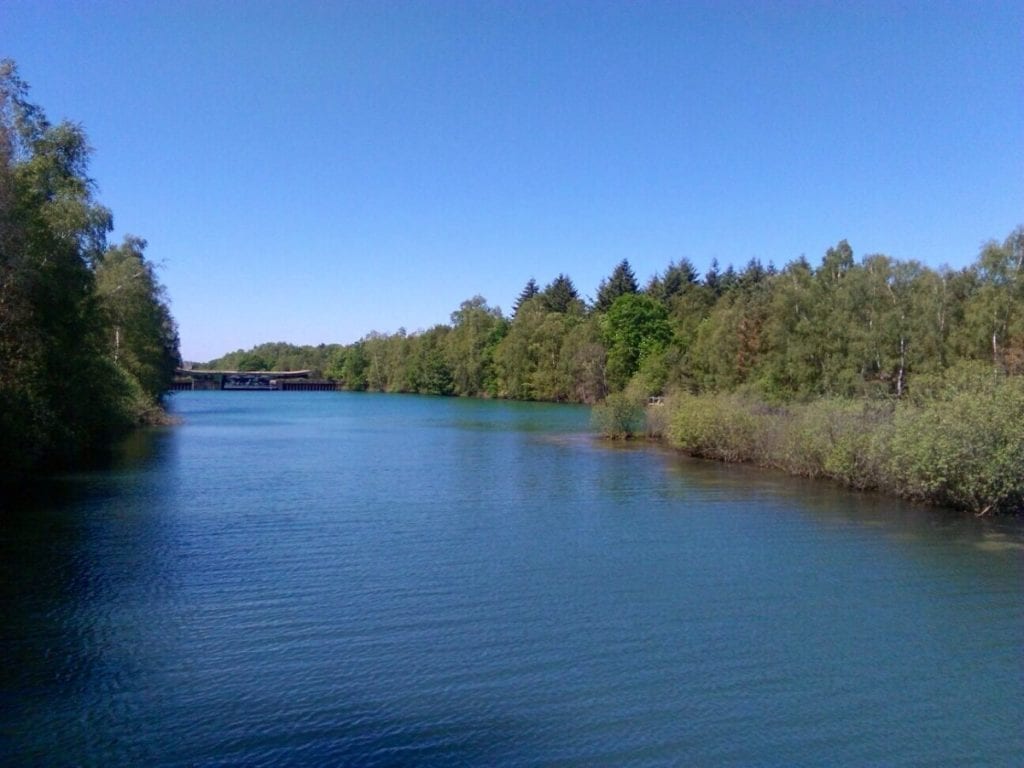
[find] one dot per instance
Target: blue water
(355, 579)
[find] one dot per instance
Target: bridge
(265, 381)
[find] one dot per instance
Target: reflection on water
(332, 578)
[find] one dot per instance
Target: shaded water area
(354, 579)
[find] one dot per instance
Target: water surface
(354, 579)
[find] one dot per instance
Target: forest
(880, 373)
(873, 328)
(88, 346)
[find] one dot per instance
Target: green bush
(964, 446)
(620, 416)
(960, 444)
(720, 427)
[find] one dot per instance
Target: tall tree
(994, 319)
(752, 275)
(560, 295)
(621, 282)
(530, 290)
(530, 361)
(476, 330)
(431, 373)
(583, 358)
(59, 396)
(793, 364)
(834, 308)
(635, 327)
(713, 278)
(143, 338)
(677, 279)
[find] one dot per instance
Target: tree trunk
(903, 365)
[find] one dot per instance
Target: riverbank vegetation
(878, 373)
(874, 329)
(960, 444)
(88, 346)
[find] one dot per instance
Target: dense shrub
(959, 444)
(620, 416)
(964, 447)
(723, 427)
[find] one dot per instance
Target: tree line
(88, 346)
(841, 328)
(877, 373)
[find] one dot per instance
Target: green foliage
(251, 361)
(635, 327)
(677, 279)
(529, 291)
(993, 326)
(715, 426)
(620, 416)
(841, 329)
(76, 350)
(621, 283)
(537, 358)
(281, 356)
(560, 296)
(142, 336)
(879, 374)
(856, 371)
(349, 367)
(431, 372)
(865, 373)
(814, 440)
(964, 446)
(651, 377)
(476, 331)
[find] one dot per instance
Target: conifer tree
(712, 279)
(561, 296)
(676, 279)
(621, 282)
(529, 291)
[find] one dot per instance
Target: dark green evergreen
(676, 280)
(529, 291)
(561, 296)
(621, 283)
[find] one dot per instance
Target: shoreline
(965, 452)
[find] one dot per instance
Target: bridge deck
(252, 381)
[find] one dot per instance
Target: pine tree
(529, 291)
(621, 282)
(561, 296)
(712, 279)
(677, 278)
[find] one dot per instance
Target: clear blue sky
(312, 171)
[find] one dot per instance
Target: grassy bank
(956, 441)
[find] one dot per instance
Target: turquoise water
(355, 579)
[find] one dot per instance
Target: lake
(384, 580)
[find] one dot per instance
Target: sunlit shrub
(714, 426)
(960, 444)
(620, 416)
(964, 447)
